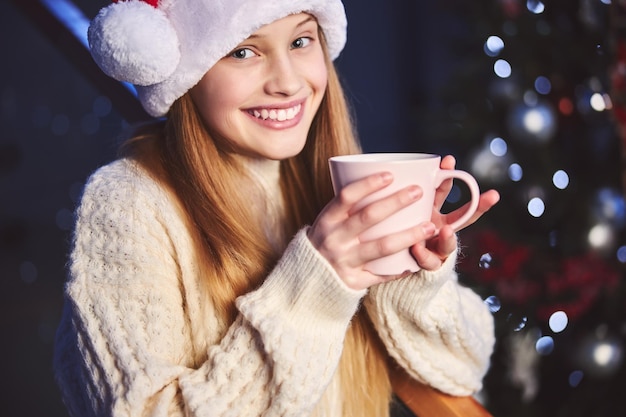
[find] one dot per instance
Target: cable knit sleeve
(439, 331)
(124, 345)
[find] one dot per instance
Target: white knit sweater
(134, 313)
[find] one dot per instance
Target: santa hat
(165, 47)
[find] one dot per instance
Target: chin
(286, 151)
(283, 154)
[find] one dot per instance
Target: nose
(283, 78)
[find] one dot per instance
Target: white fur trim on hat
(135, 42)
(166, 50)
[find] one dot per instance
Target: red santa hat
(165, 47)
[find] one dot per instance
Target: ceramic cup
(407, 169)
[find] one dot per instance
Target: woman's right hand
(335, 233)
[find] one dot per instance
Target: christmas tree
(534, 106)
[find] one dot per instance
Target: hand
(431, 254)
(335, 233)
(487, 200)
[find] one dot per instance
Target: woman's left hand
(434, 252)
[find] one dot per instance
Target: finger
(354, 192)
(395, 242)
(436, 251)
(447, 162)
(337, 211)
(425, 258)
(380, 210)
(486, 201)
(341, 229)
(445, 243)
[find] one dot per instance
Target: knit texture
(134, 317)
(439, 331)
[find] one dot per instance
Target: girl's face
(262, 97)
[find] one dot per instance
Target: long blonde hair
(232, 250)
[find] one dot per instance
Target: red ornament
(538, 284)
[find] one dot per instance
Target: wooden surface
(425, 401)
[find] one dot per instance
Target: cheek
(207, 108)
(216, 101)
(322, 80)
(318, 79)
(319, 71)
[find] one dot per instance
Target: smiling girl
(213, 272)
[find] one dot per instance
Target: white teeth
(277, 114)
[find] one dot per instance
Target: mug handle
(468, 179)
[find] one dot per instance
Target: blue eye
(242, 53)
(300, 43)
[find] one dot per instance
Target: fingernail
(414, 191)
(428, 228)
(386, 176)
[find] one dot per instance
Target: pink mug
(407, 169)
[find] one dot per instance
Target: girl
(213, 272)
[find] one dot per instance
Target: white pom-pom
(133, 41)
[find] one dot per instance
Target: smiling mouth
(279, 115)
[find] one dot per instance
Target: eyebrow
(306, 20)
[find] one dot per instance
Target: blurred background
(529, 96)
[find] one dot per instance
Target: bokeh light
(545, 345)
(516, 173)
(533, 123)
(575, 377)
(543, 85)
(601, 354)
(621, 254)
(493, 303)
(601, 236)
(518, 323)
(530, 98)
(566, 107)
(498, 146)
(485, 261)
(558, 321)
(560, 179)
(604, 353)
(102, 106)
(597, 102)
(609, 206)
(486, 165)
(536, 207)
(535, 6)
(493, 46)
(534, 120)
(502, 68)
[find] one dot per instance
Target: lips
(279, 115)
